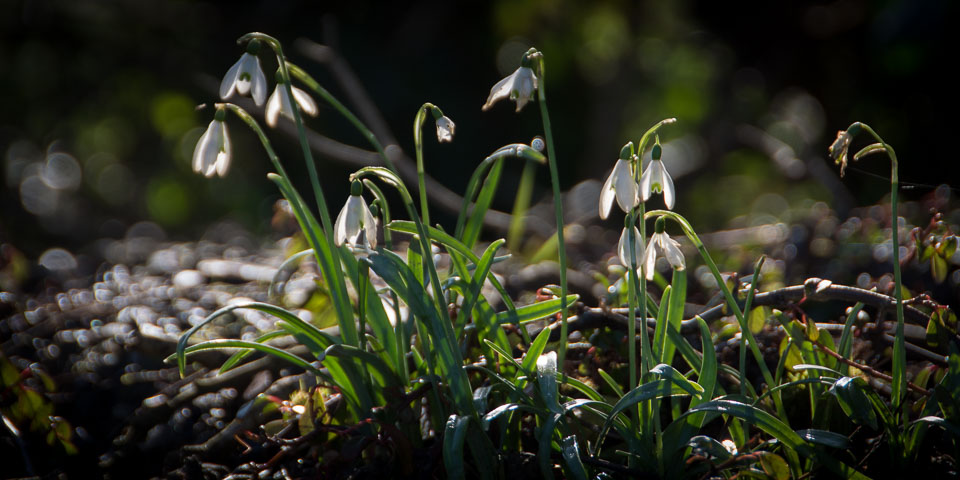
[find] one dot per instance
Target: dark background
(760, 90)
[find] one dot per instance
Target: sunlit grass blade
(678, 298)
(307, 329)
(238, 357)
(534, 311)
(471, 231)
(375, 313)
(227, 344)
(611, 383)
(323, 251)
(846, 338)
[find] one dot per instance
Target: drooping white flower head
(662, 244)
(355, 225)
(620, 185)
(656, 179)
(246, 77)
(623, 248)
(445, 128)
(518, 86)
(212, 153)
(279, 102)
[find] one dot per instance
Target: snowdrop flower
(518, 86)
(355, 224)
(246, 76)
(212, 153)
(445, 128)
(839, 148)
(662, 244)
(656, 179)
(620, 184)
(623, 248)
(279, 103)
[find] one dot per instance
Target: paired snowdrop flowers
(246, 77)
(656, 179)
(355, 225)
(212, 153)
(662, 244)
(518, 86)
(279, 103)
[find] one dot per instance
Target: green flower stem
(301, 132)
(899, 383)
(747, 305)
(418, 146)
(402, 344)
(520, 205)
(557, 206)
(731, 301)
(646, 355)
(312, 84)
(632, 302)
(331, 272)
(457, 377)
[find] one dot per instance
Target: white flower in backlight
(212, 153)
(279, 104)
(623, 248)
(355, 224)
(518, 86)
(246, 77)
(656, 179)
(619, 185)
(445, 128)
(662, 244)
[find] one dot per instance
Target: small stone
(187, 279)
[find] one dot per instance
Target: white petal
(273, 107)
(285, 108)
(668, 194)
(212, 150)
(259, 81)
(623, 246)
(645, 181)
(650, 257)
(671, 250)
(524, 86)
(501, 90)
(369, 225)
(229, 82)
(340, 226)
(305, 101)
(624, 185)
(200, 150)
(606, 195)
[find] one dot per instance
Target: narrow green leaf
(453, 436)
(534, 311)
(571, 456)
(824, 437)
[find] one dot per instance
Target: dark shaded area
(113, 85)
